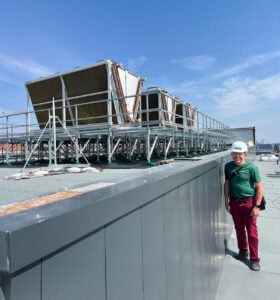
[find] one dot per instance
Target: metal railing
(158, 129)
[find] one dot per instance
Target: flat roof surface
(238, 281)
(13, 190)
(17, 190)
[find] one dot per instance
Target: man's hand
(226, 194)
(255, 212)
(227, 207)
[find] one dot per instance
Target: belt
(242, 200)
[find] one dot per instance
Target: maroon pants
(245, 227)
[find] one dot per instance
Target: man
(243, 194)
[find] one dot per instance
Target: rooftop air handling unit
(159, 108)
(103, 93)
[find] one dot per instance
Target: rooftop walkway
(238, 281)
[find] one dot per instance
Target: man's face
(238, 158)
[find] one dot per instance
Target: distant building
(277, 148)
(265, 148)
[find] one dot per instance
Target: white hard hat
(239, 147)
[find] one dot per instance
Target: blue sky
(221, 56)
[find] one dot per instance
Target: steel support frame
(140, 137)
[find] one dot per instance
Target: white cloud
(133, 64)
(185, 87)
(6, 79)
(244, 95)
(236, 102)
(256, 60)
(196, 63)
(239, 98)
(269, 88)
(23, 65)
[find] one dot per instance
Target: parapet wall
(161, 235)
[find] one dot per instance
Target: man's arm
(226, 194)
(258, 199)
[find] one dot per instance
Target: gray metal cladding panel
(217, 249)
(195, 232)
(222, 228)
(154, 273)
(184, 195)
(77, 272)
(58, 224)
(211, 195)
(124, 258)
(164, 249)
(204, 197)
(202, 236)
(2, 297)
(201, 227)
(173, 245)
(27, 285)
(3, 252)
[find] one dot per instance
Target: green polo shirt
(242, 184)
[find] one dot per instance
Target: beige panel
(78, 84)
